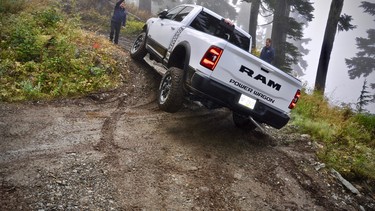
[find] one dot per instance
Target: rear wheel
(171, 94)
(138, 50)
(243, 122)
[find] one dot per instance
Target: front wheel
(243, 122)
(171, 93)
(138, 50)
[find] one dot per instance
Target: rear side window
(206, 23)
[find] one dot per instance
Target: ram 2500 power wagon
(208, 60)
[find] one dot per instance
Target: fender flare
(174, 60)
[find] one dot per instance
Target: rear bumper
(229, 98)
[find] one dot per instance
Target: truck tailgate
(255, 78)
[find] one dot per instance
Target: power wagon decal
(175, 37)
(251, 90)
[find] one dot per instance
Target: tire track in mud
(156, 163)
(131, 90)
(106, 143)
(130, 96)
(207, 181)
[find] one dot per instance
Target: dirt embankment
(117, 150)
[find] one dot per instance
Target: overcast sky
(339, 88)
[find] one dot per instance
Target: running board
(155, 65)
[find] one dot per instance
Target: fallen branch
(345, 182)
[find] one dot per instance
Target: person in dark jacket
(118, 20)
(268, 53)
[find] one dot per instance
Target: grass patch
(348, 138)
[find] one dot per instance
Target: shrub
(47, 18)
(22, 38)
(133, 27)
(348, 138)
(366, 122)
(11, 6)
(50, 56)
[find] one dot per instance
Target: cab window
(173, 12)
(182, 14)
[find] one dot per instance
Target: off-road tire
(138, 50)
(243, 122)
(171, 93)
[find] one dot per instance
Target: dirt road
(117, 151)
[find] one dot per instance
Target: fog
(339, 88)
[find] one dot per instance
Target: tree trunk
(279, 31)
(253, 23)
(145, 5)
(329, 38)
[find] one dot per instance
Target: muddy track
(117, 150)
(129, 101)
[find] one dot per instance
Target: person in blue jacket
(118, 20)
(268, 53)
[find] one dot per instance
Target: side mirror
(163, 14)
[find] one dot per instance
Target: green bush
(134, 27)
(11, 6)
(367, 121)
(347, 138)
(48, 18)
(50, 56)
(23, 36)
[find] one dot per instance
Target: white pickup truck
(208, 60)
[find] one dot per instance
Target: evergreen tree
(335, 21)
(365, 98)
(253, 23)
(279, 33)
(364, 62)
(286, 30)
(285, 27)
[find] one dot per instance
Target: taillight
(295, 99)
(211, 58)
